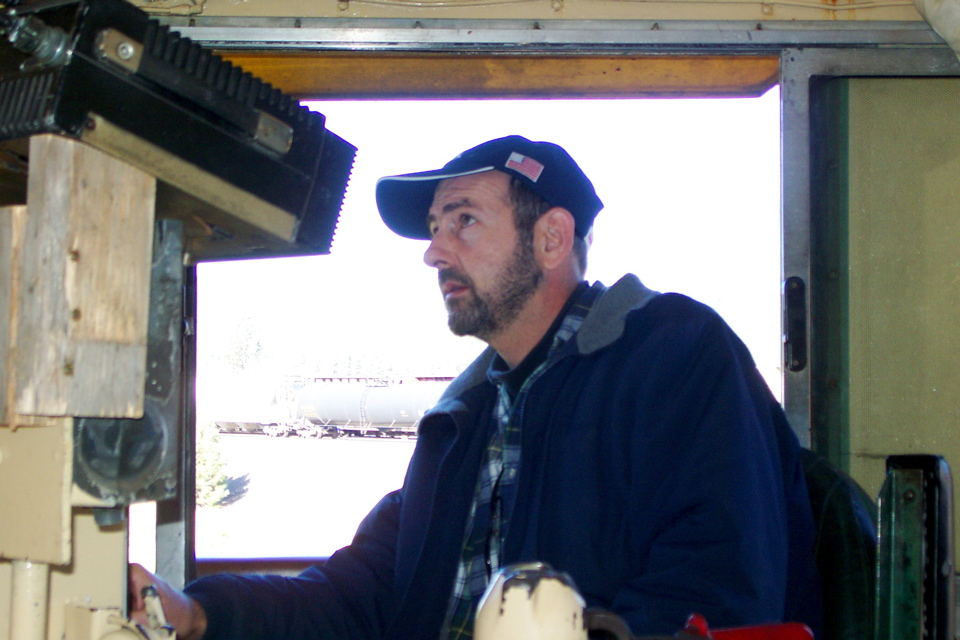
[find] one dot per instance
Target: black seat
(846, 548)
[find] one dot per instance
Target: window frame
(811, 396)
(806, 53)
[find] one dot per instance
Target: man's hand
(183, 613)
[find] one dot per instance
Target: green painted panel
(902, 273)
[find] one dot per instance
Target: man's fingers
(138, 578)
(169, 606)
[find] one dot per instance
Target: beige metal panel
(36, 473)
(85, 277)
(904, 272)
(96, 578)
(359, 75)
(804, 10)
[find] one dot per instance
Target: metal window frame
(800, 68)
(578, 37)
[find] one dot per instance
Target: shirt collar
(572, 313)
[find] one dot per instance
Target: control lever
(158, 629)
(155, 616)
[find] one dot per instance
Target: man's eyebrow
(447, 208)
(453, 206)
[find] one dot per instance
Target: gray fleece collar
(602, 326)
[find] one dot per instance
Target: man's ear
(553, 237)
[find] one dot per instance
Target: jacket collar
(606, 320)
(602, 326)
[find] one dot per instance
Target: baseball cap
(546, 168)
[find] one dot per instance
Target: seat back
(845, 548)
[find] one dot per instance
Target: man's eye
(432, 229)
(466, 220)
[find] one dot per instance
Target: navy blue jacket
(657, 470)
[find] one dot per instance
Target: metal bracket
(120, 49)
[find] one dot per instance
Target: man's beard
(486, 315)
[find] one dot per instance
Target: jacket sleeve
(350, 596)
(708, 492)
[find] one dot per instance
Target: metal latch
(795, 324)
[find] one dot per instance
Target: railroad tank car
(350, 408)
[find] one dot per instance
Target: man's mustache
(451, 273)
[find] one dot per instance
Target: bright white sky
(691, 189)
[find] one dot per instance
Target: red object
(697, 628)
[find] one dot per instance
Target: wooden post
(11, 236)
(85, 279)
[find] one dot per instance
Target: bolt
(68, 368)
(125, 51)
(75, 314)
(74, 256)
(909, 495)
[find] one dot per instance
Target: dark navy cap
(405, 200)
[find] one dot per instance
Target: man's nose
(437, 254)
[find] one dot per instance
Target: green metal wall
(887, 263)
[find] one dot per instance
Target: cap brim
(404, 201)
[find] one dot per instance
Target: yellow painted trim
(382, 76)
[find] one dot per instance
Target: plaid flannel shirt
(496, 489)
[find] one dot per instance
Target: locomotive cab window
(313, 371)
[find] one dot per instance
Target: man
(620, 435)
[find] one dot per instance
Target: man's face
(486, 275)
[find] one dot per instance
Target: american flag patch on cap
(525, 166)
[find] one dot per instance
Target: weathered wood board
(84, 283)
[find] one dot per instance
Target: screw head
(125, 51)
